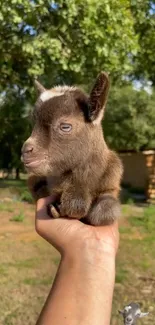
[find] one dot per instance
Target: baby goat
(131, 313)
(66, 154)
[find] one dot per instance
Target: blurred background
(70, 42)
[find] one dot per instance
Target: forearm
(82, 291)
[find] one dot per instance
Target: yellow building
(139, 171)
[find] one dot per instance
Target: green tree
(14, 126)
(69, 41)
(64, 41)
(144, 23)
(130, 119)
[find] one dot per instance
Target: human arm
(83, 287)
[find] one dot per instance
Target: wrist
(91, 271)
(90, 254)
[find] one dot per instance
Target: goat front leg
(104, 211)
(75, 202)
(38, 186)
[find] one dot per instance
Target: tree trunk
(17, 173)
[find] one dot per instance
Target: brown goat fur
(66, 154)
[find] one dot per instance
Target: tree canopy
(129, 122)
(14, 127)
(65, 40)
(71, 42)
(144, 25)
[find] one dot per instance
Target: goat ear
(98, 98)
(39, 87)
(143, 314)
(121, 312)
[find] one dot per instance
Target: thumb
(56, 231)
(41, 208)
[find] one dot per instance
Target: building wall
(150, 161)
(136, 172)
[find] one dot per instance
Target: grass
(121, 275)
(11, 184)
(146, 221)
(16, 190)
(6, 207)
(28, 264)
(12, 188)
(22, 264)
(26, 196)
(37, 282)
(18, 218)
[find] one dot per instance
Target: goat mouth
(34, 163)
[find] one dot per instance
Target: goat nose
(129, 318)
(27, 148)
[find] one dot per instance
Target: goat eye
(65, 127)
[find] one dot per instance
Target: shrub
(18, 218)
(26, 196)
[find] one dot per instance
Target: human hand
(86, 273)
(69, 235)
